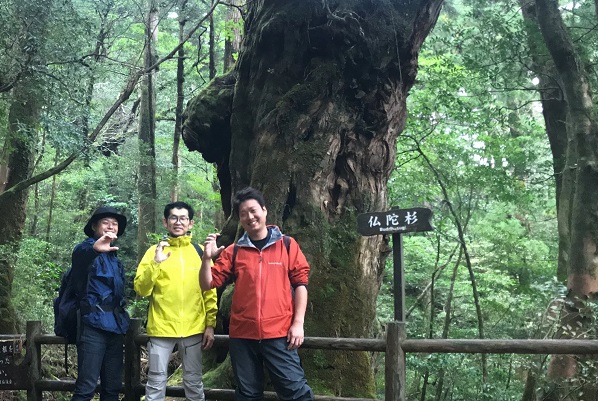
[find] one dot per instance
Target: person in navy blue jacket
(103, 320)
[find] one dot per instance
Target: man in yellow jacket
(179, 312)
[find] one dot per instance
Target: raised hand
(211, 249)
(160, 256)
(104, 243)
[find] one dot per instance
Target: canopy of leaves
(474, 151)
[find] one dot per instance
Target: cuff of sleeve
(153, 263)
(155, 268)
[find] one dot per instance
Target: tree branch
(65, 163)
(124, 96)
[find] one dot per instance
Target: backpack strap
(235, 250)
(198, 249)
(287, 243)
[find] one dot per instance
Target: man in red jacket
(269, 302)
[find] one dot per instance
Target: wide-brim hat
(100, 213)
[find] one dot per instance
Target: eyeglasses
(181, 219)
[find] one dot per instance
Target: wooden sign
(13, 376)
(397, 221)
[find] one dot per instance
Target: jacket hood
(275, 235)
(183, 240)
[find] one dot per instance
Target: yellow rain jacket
(178, 307)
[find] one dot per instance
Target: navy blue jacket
(103, 299)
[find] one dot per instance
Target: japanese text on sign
(395, 221)
(13, 374)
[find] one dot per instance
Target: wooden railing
(395, 346)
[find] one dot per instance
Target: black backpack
(66, 305)
(66, 308)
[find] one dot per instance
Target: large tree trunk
(554, 111)
(19, 152)
(146, 181)
(582, 164)
(312, 121)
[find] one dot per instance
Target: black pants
(249, 357)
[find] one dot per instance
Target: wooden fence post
(132, 360)
(394, 383)
(34, 358)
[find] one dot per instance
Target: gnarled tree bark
(310, 115)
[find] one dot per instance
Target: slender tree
(447, 322)
(52, 201)
(180, 99)
(461, 226)
(232, 43)
(146, 179)
(212, 46)
(36, 194)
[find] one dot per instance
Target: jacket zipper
(182, 264)
(259, 297)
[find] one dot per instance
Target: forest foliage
(474, 150)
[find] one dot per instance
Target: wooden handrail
(440, 346)
(394, 346)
